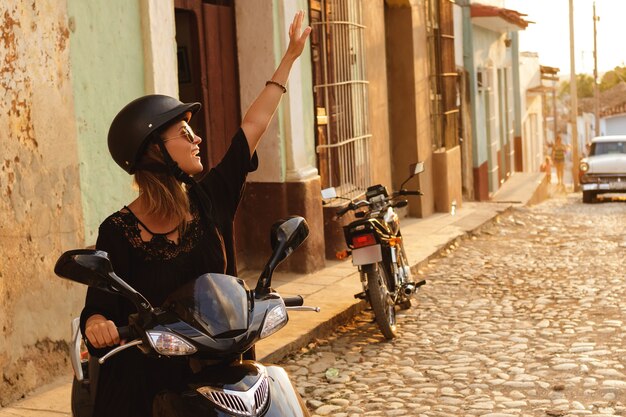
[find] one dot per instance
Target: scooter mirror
(85, 266)
(286, 236)
(93, 268)
(416, 168)
(329, 193)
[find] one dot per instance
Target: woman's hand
(297, 37)
(101, 332)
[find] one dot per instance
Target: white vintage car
(604, 170)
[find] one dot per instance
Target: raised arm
(262, 109)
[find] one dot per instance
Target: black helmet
(133, 125)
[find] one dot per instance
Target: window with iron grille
(443, 74)
(341, 93)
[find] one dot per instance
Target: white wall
(615, 125)
(532, 135)
(458, 35)
(532, 112)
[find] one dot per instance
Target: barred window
(341, 95)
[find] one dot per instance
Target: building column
(159, 47)
(287, 182)
(409, 101)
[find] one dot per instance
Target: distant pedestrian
(558, 157)
(547, 168)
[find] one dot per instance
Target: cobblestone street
(524, 318)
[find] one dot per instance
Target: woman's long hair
(165, 195)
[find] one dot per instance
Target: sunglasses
(188, 134)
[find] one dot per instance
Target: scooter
(377, 248)
(212, 320)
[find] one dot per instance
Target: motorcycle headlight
(169, 344)
(584, 167)
(276, 318)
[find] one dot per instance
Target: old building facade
(383, 84)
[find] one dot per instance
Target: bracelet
(276, 83)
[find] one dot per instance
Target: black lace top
(160, 247)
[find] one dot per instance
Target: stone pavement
(525, 318)
(333, 287)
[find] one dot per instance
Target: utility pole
(596, 82)
(574, 98)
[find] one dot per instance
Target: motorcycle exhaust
(410, 288)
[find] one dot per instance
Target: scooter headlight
(276, 318)
(169, 344)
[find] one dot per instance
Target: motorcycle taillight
(361, 241)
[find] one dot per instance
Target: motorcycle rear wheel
(380, 300)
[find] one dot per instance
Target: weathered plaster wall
(107, 60)
(40, 206)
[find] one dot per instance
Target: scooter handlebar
(408, 192)
(353, 205)
(127, 333)
(295, 301)
(344, 210)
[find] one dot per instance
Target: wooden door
(207, 71)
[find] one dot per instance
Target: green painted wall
(107, 71)
(485, 53)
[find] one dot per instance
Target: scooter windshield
(216, 302)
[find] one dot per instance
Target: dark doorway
(207, 71)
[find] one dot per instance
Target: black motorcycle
(375, 243)
(213, 321)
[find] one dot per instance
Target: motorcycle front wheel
(380, 300)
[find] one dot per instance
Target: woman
(558, 156)
(175, 230)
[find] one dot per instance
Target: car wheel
(588, 196)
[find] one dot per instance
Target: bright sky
(549, 35)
